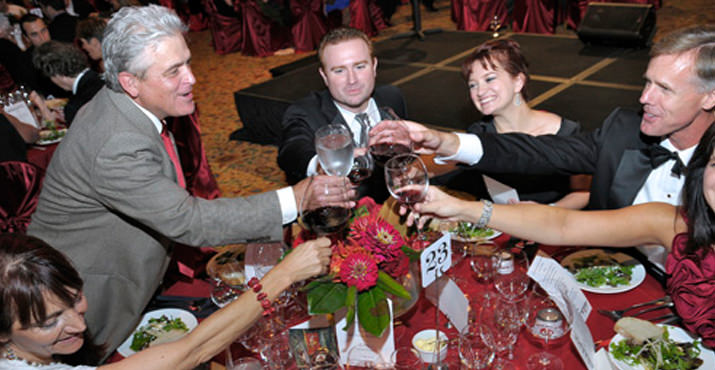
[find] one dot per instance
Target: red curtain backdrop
(225, 31)
(478, 14)
(310, 24)
(20, 184)
(366, 16)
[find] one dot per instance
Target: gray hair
(701, 40)
(130, 33)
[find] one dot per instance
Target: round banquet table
(421, 316)
(40, 155)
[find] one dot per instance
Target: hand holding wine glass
(393, 139)
(326, 206)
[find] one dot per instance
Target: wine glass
(391, 141)
(510, 278)
(473, 352)
(363, 165)
(334, 145)
(500, 324)
(324, 208)
(406, 178)
(482, 261)
(548, 326)
(405, 358)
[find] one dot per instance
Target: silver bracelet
(486, 214)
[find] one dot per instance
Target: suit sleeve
(129, 181)
(297, 143)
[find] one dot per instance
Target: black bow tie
(659, 155)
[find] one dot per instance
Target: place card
(583, 341)
(559, 284)
(436, 259)
(452, 301)
(500, 193)
(21, 111)
(364, 348)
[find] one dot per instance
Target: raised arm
(225, 325)
(651, 223)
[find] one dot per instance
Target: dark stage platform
(577, 81)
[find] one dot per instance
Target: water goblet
(473, 352)
(510, 278)
(334, 145)
(499, 328)
(548, 326)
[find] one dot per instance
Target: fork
(617, 314)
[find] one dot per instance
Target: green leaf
(390, 285)
(373, 312)
(320, 280)
(412, 254)
(326, 298)
(350, 304)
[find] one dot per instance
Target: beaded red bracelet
(261, 297)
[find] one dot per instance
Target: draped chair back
(20, 184)
(226, 32)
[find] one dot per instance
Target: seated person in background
(634, 158)
(89, 33)
(42, 316)
(67, 67)
(687, 232)
(348, 67)
(11, 56)
(62, 24)
(35, 31)
(497, 77)
(14, 10)
(114, 199)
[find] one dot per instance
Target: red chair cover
(225, 31)
(20, 184)
(456, 11)
(478, 14)
(366, 16)
(200, 181)
(310, 24)
(261, 36)
(535, 16)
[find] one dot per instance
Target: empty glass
(473, 352)
(510, 278)
(499, 327)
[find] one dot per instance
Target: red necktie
(169, 145)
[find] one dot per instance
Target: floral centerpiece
(364, 269)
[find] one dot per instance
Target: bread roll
(636, 330)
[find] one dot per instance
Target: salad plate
(171, 313)
(465, 232)
(677, 335)
(611, 272)
(50, 136)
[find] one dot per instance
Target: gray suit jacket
(111, 203)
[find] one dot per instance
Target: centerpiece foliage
(365, 264)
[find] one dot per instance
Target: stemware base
(544, 361)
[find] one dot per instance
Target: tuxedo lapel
(631, 174)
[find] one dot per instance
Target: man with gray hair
(113, 199)
(634, 157)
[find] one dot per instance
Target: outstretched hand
(339, 192)
(437, 204)
(424, 140)
(307, 260)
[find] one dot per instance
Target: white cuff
(312, 169)
(286, 199)
(470, 150)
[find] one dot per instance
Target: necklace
(10, 355)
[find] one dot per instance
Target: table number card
(436, 259)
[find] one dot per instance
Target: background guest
(68, 68)
(37, 33)
(89, 33)
(62, 24)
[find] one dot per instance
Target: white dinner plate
(676, 334)
(45, 133)
(171, 313)
(637, 277)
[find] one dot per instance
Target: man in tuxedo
(634, 157)
(62, 24)
(348, 68)
(67, 67)
(114, 198)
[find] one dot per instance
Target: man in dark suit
(114, 199)
(68, 68)
(634, 158)
(348, 67)
(62, 24)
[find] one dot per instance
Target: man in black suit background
(348, 67)
(634, 157)
(67, 67)
(62, 24)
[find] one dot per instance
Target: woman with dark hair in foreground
(687, 232)
(42, 310)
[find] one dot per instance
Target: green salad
(659, 353)
(154, 329)
(468, 230)
(597, 271)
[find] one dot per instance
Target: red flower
(378, 237)
(359, 270)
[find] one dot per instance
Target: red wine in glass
(384, 151)
(326, 220)
(410, 196)
(359, 174)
